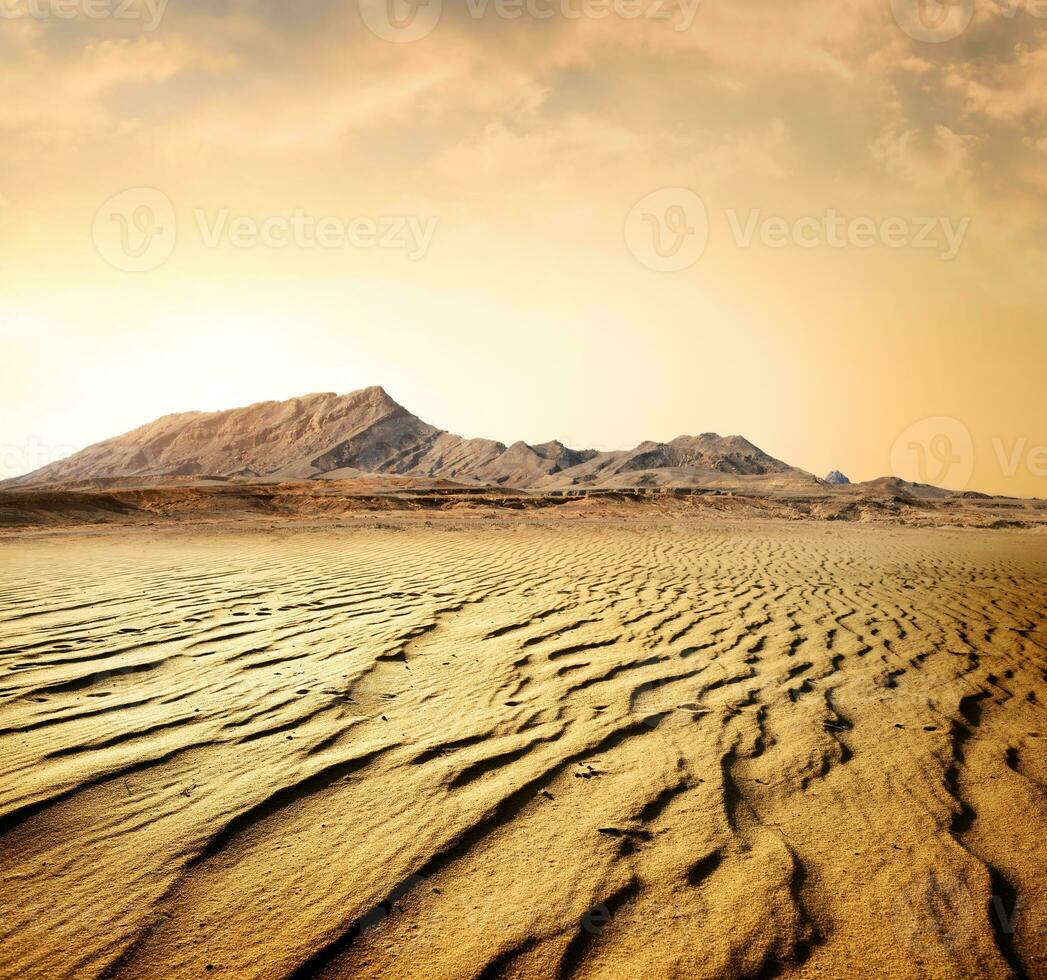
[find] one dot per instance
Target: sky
(817, 225)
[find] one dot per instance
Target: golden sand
(616, 751)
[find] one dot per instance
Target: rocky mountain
(836, 478)
(328, 436)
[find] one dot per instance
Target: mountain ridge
(324, 435)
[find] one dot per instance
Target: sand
(524, 751)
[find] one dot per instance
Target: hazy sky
(814, 224)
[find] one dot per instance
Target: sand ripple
(524, 752)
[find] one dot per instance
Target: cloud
(926, 160)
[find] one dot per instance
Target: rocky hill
(329, 436)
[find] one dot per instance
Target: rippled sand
(524, 752)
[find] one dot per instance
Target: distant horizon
(466, 435)
(819, 227)
(851, 478)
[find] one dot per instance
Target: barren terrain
(364, 499)
(523, 749)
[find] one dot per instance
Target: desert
(523, 748)
(523, 490)
(394, 703)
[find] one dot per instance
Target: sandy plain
(623, 750)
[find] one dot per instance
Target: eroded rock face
(368, 432)
(837, 478)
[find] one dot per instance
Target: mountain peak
(324, 434)
(373, 393)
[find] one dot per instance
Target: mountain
(896, 487)
(328, 436)
(836, 478)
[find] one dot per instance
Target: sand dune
(524, 752)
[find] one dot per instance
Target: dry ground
(524, 751)
(138, 503)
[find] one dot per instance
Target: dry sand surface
(524, 751)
